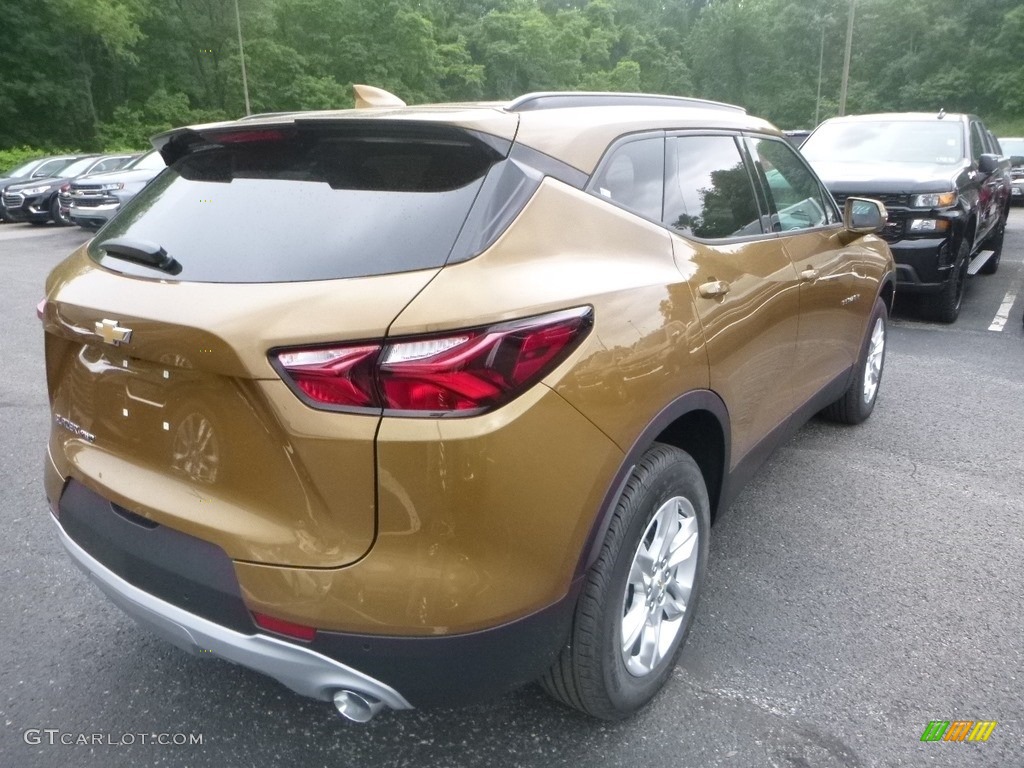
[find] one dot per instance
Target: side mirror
(863, 216)
(988, 163)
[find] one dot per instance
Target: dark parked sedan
(37, 201)
(40, 168)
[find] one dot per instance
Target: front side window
(977, 143)
(800, 202)
(708, 191)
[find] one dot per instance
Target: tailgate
(186, 423)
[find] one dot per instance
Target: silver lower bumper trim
(304, 671)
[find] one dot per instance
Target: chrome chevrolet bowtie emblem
(112, 333)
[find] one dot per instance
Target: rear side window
(634, 177)
(305, 205)
(708, 193)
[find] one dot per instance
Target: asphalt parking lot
(868, 581)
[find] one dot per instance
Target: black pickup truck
(945, 184)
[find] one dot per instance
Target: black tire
(945, 305)
(58, 218)
(591, 672)
(995, 243)
(856, 405)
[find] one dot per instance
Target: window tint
(708, 193)
(800, 202)
(992, 143)
(634, 177)
(311, 207)
(977, 144)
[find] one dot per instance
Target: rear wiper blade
(142, 252)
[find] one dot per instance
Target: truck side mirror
(988, 163)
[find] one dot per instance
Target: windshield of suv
(78, 168)
(1012, 147)
(20, 171)
(52, 167)
(151, 161)
(887, 141)
(309, 205)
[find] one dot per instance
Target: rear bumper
(303, 670)
(185, 590)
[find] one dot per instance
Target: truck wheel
(58, 217)
(858, 401)
(945, 305)
(995, 243)
(638, 600)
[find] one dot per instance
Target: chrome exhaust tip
(357, 707)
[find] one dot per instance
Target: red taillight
(338, 376)
(282, 627)
(459, 372)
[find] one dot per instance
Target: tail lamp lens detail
(462, 372)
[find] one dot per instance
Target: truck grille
(896, 200)
(893, 230)
(90, 202)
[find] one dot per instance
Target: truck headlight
(933, 200)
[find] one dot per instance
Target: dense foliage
(104, 73)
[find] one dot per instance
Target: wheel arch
(887, 291)
(696, 422)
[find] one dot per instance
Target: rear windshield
(305, 207)
(887, 141)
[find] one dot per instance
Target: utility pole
(241, 55)
(846, 60)
(821, 65)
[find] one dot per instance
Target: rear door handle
(809, 274)
(713, 289)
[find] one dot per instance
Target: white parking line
(1003, 314)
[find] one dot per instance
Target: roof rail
(560, 99)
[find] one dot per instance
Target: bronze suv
(407, 405)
